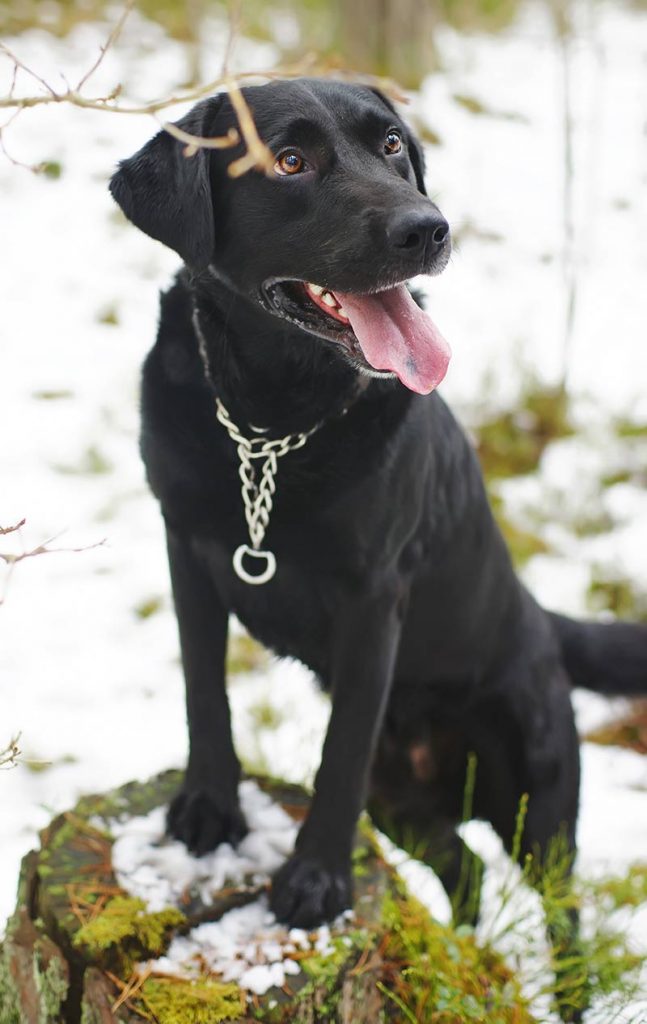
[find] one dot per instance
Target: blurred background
(533, 114)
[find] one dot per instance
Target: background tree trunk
(394, 38)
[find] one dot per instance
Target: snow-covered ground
(93, 684)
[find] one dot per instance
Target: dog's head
(328, 239)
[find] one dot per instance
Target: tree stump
(47, 976)
(79, 949)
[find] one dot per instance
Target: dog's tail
(608, 657)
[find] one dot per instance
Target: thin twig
(258, 154)
(112, 38)
(43, 549)
(23, 67)
(4, 530)
(11, 753)
(196, 142)
(234, 25)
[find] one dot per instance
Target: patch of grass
(628, 891)
(108, 316)
(149, 606)
(618, 476)
(629, 731)
(487, 15)
(93, 462)
(36, 765)
(427, 134)
(522, 544)
(474, 106)
(629, 428)
(513, 442)
(608, 591)
(53, 395)
(265, 715)
(435, 974)
(51, 169)
(244, 654)
(591, 524)
(468, 228)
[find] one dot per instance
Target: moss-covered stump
(80, 950)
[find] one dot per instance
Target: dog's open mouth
(385, 332)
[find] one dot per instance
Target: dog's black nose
(418, 232)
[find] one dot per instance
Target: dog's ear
(415, 149)
(167, 194)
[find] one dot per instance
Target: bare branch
(44, 549)
(196, 142)
(9, 756)
(11, 560)
(18, 64)
(234, 26)
(4, 530)
(258, 155)
(112, 38)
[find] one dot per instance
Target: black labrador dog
(314, 483)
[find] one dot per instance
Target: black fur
(393, 583)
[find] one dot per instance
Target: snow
(94, 687)
(246, 945)
(160, 873)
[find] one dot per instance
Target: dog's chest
(291, 614)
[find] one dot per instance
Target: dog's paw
(305, 893)
(202, 822)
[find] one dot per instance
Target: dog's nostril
(418, 232)
(440, 233)
(412, 241)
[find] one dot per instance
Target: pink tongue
(396, 335)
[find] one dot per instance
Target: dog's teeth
(342, 312)
(315, 289)
(329, 299)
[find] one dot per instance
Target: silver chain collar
(258, 489)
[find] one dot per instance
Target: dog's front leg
(206, 811)
(315, 883)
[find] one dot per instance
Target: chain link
(258, 493)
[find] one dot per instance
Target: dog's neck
(268, 373)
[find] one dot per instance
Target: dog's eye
(392, 142)
(289, 162)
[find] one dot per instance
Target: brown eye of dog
(392, 143)
(289, 162)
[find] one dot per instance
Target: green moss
(175, 1001)
(124, 933)
(136, 797)
(52, 985)
(8, 997)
